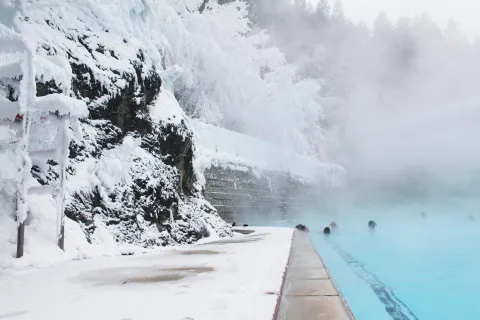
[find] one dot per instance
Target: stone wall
(243, 194)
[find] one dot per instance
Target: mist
(405, 119)
(416, 122)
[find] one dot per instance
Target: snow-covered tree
(383, 28)
(323, 8)
(300, 5)
(338, 14)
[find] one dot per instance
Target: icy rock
(130, 172)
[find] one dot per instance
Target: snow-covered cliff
(131, 174)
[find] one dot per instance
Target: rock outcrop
(131, 174)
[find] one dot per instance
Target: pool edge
(340, 295)
(308, 289)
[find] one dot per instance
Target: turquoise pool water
(410, 267)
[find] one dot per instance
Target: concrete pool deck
(309, 292)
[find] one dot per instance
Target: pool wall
(242, 196)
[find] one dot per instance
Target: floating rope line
(395, 307)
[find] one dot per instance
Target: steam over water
(417, 175)
(412, 266)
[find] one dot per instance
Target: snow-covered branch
(62, 105)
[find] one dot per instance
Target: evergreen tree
(382, 28)
(322, 12)
(338, 13)
(300, 5)
(454, 34)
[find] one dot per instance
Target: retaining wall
(240, 195)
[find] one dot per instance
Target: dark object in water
(245, 225)
(372, 224)
(234, 224)
(424, 215)
(333, 225)
(326, 230)
(301, 227)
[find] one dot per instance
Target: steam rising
(407, 104)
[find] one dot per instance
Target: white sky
(465, 12)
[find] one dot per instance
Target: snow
(61, 104)
(223, 279)
(203, 59)
(54, 68)
(11, 43)
(47, 68)
(166, 109)
(113, 168)
(27, 95)
(28, 104)
(11, 70)
(238, 151)
(40, 248)
(107, 172)
(8, 109)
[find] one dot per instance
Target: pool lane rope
(395, 307)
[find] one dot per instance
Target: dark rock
(47, 87)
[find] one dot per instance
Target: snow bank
(223, 147)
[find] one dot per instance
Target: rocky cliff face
(132, 173)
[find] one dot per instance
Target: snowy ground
(223, 279)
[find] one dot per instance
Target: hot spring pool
(410, 267)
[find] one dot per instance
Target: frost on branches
(131, 174)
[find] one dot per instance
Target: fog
(400, 114)
(407, 104)
(464, 11)
(420, 119)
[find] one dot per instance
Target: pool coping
(309, 297)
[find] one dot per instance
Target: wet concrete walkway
(309, 292)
